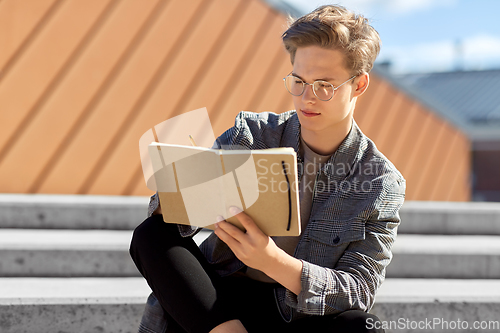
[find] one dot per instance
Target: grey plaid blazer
(346, 246)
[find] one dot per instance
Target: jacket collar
(342, 161)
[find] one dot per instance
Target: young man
(325, 280)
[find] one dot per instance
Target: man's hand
(252, 247)
(257, 250)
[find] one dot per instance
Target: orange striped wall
(82, 80)
(433, 156)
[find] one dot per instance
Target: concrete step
(47, 211)
(450, 218)
(46, 305)
(439, 305)
(437, 256)
(66, 253)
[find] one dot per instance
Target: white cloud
(415, 58)
(369, 7)
(482, 48)
(410, 6)
(477, 52)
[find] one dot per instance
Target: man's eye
(297, 81)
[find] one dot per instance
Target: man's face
(315, 63)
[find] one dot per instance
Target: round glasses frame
(314, 85)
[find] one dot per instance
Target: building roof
(82, 81)
(469, 98)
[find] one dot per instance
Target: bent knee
(153, 230)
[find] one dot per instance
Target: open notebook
(197, 184)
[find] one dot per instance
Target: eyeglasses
(324, 90)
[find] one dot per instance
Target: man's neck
(327, 141)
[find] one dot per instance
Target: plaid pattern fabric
(346, 246)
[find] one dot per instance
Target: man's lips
(309, 113)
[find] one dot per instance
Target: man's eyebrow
(322, 79)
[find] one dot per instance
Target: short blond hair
(335, 27)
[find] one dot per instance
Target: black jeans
(196, 299)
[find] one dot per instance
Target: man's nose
(308, 94)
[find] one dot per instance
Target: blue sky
(425, 35)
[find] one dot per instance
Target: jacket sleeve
(360, 271)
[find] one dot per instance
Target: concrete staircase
(64, 265)
(445, 274)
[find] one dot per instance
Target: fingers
(226, 237)
(245, 220)
(230, 229)
(233, 236)
(252, 246)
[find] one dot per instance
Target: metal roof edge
(428, 102)
(477, 132)
(285, 8)
(453, 72)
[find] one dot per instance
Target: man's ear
(361, 83)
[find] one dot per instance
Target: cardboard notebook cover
(195, 185)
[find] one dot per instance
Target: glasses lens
(294, 85)
(324, 90)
